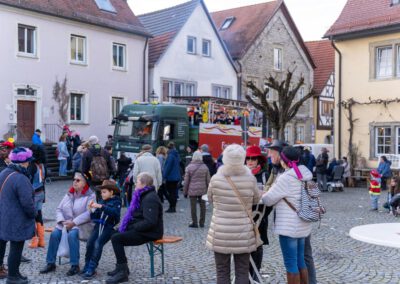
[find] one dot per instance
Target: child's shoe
(85, 268)
(89, 274)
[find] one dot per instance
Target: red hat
(255, 151)
(375, 174)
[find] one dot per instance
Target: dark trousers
(257, 257)
(162, 193)
(308, 258)
(193, 204)
(121, 240)
(95, 244)
(3, 245)
(171, 189)
(383, 183)
(14, 256)
(223, 266)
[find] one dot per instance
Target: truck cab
(153, 124)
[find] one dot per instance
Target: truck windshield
(142, 130)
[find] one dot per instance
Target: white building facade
(103, 68)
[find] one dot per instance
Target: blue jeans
(374, 201)
(73, 241)
(308, 258)
(63, 167)
(293, 253)
(95, 244)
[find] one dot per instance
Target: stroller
(336, 181)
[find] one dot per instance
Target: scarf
(19, 168)
(135, 204)
(292, 165)
(256, 170)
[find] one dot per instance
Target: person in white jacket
(291, 229)
(147, 162)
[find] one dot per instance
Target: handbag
(85, 230)
(257, 236)
(63, 248)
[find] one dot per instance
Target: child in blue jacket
(105, 214)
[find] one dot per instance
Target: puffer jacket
(231, 230)
(197, 178)
(287, 223)
(75, 207)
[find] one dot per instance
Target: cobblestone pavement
(339, 259)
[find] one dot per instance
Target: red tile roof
(250, 22)
(365, 15)
(158, 45)
(323, 55)
(85, 11)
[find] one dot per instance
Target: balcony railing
(52, 132)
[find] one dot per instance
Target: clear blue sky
(313, 17)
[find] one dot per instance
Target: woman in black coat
(17, 211)
(142, 223)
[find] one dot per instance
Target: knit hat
(205, 148)
(20, 155)
(93, 140)
(234, 155)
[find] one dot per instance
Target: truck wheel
(330, 188)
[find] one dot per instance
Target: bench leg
(151, 249)
(162, 258)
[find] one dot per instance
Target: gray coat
(197, 178)
(17, 211)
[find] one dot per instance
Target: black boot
(112, 273)
(171, 210)
(121, 275)
(73, 270)
(16, 280)
(48, 268)
(25, 259)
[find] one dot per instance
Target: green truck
(154, 124)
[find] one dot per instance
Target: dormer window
(227, 23)
(105, 5)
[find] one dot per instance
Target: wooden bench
(157, 248)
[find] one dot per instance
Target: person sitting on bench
(142, 223)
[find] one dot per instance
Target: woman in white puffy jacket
(291, 229)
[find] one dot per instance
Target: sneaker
(171, 210)
(24, 259)
(89, 274)
(193, 225)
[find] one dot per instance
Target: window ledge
(119, 69)
(84, 64)
(27, 55)
(384, 79)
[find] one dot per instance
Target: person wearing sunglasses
(73, 214)
(255, 161)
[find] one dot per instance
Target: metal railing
(53, 132)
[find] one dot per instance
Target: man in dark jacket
(208, 159)
(322, 168)
(172, 176)
(103, 169)
(17, 211)
(142, 223)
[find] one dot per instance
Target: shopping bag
(63, 247)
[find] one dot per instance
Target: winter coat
(36, 139)
(231, 230)
(384, 169)
(74, 207)
(87, 158)
(123, 166)
(197, 178)
(109, 214)
(17, 210)
(309, 161)
(76, 161)
(172, 169)
(287, 223)
(147, 220)
(148, 163)
(3, 165)
(322, 163)
(63, 153)
(209, 162)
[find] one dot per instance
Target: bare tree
(278, 112)
(61, 97)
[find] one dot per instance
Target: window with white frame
(119, 55)
(383, 140)
(288, 133)
(278, 59)
(76, 107)
(116, 106)
(191, 45)
(178, 89)
(219, 91)
(26, 39)
(172, 88)
(384, 61)
(398, 60)
(190, 89)
(206, 47)
(105, 5)
(26, 92)
(78, 49)
(300, 133)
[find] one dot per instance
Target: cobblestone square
(338, 258)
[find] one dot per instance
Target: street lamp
(153, 96)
